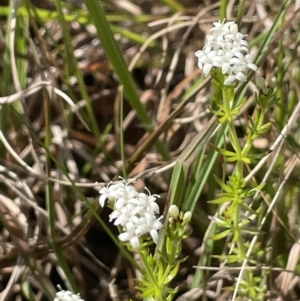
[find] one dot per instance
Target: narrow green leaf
(172, 274)
(221, 235)
(114, 54)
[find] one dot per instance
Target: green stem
(240, 12)
(236, 144)
(228, 97)
(223, 10)
(158, 284)
(160, 296)
(240, 241)
(147, 269)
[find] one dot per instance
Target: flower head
(226, 48)
(136, 213)
(67, 296)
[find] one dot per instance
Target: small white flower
(130, 235)
(110, 192)
(221, 28)
(116, 192)
(105, 194)
(206, 60)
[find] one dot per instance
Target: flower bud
(273, 82)
(265, 90)
(187, 217)
(174, 211)
(260, 82)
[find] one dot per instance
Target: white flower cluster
(226, 48)
(67, 296)
(135, 212)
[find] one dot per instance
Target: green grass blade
(115, 56)
(263, 49)
(50, 206)
(122, 141)
(77, 15)
(72, 66)
(205, 172)
(182, 165)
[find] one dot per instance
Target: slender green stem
(73, 64)
(122, 139)
(223, 10)
(147, 268)
(228, 97)
(227, 100)
(240, 241)
(159, 283)
(240, 12)
(50, 201)
(236, 144)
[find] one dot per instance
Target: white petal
(225, 68)
(233, 28)
(135, 242)
(252, 66)
(134, 200)
(120, 203)
(154, 235)
(130, 227)
(114, 215)
(158, 224)
(121, 220)
(241, 77)
(206, 69)
(135, 219)
(141, 230)
(154, 207)
(125, 236)
(198, 53)
(102, 200)
(229, 80)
